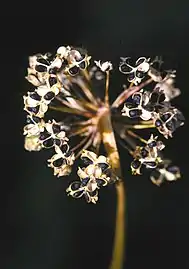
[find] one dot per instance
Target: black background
(44, 228)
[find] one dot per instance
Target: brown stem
(107, 88)
(71, 111)
(87, 145)
(108, 138)
(78, 131)
(128, 92)
(131, 133)
(83, 141)
(85, 88)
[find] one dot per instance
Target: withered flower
(32, 143)
(104, 66)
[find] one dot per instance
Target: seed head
(65, 81)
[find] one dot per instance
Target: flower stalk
(108, 138)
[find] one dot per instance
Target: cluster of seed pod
(43, 73)
(147, 155)
(135, 73)
(93, 175)
(152, 105)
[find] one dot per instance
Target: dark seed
(154, 97)
(130, 99)
(140, 74)
(77, 194)
(103, 166)
(86, 161)
(64, 64)
(162, 98)
(35, 109)
(53, 70)
(131, 105)
(44, 135)
(41, 68)
(75, 185)
(173, 169)
(150, 164)
(35, 96)
(100, 182)
(36, 119)
(52, 81)
(82, 65)
(59, 162)
(69, 153)
(49, 96)
(158, 108)
(56, 128)
(57, 141)
(170, 126)
(158, 123)
(93, 193)
(165, 117)
(73, 70)
(85, 181)
(136, 99)
(48, 143)
(124, 68)
(135, 164)
(42, 61)
(152, 144)
(131, 76)
(64, 148)
(149, 107)
(135, 113)
(144, 153)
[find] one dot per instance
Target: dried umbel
(64, 82)
(92, 177)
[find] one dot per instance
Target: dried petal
(32, 143)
